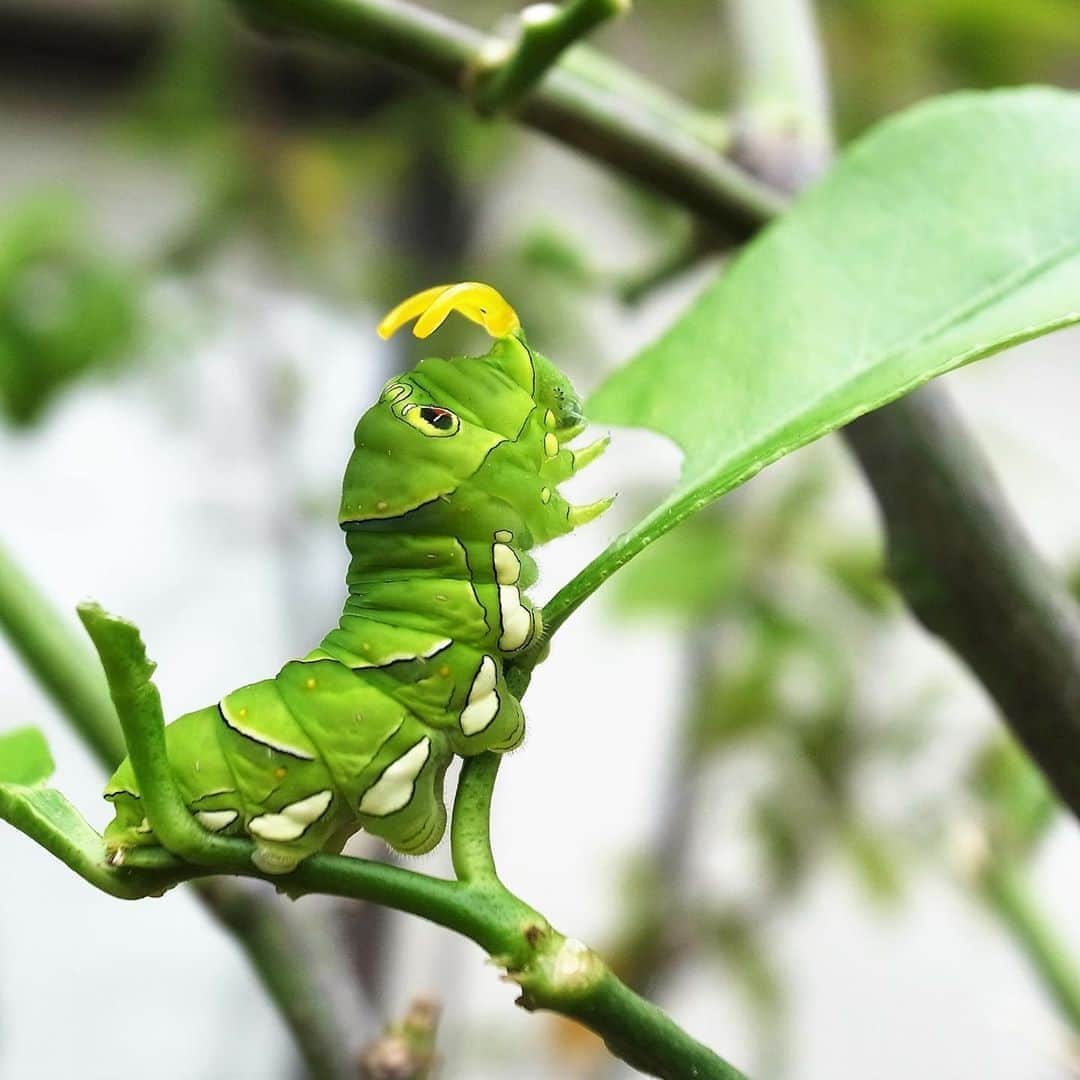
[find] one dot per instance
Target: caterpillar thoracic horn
(453, 480)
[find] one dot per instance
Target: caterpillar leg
(403, 803)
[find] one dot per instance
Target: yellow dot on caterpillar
(549, 418)
(545, 495)
(444, 671)
(242, 712)
(279, 772)
(310, 684)
(551, 445)
(504, 536)
(381, 505)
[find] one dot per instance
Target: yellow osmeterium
(480, 303)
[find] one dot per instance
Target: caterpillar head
(435, 426)
(548, 386)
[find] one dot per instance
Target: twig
(506, 72)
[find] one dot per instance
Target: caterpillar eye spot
(442, 419)
(432, 420)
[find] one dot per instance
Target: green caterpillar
(452, 481)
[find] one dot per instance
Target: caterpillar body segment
(452, 481)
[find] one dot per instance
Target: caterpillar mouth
(573, 417)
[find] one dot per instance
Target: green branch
(507, 72)
(554, 972)
(470, 829)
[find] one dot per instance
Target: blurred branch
(1003, 885)
(686, 252)
(967, 569)
(782, 126)
(82, 52)
(276, 946)
(507, 72)
(594, 105)
(292, 967)
(60, 662)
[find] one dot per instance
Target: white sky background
(163, 496)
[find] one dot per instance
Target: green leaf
(25, 757)
(45, 816)
(946, 234)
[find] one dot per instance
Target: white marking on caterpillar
(545, 495)
(405, 654)
(215, 820)
(257, 736)
(482, 704)
(507, 567)
(292, 821)
(551, 445)
(504, 536)
(516, 619)
(394, 788)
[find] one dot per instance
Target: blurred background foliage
(344, 178)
